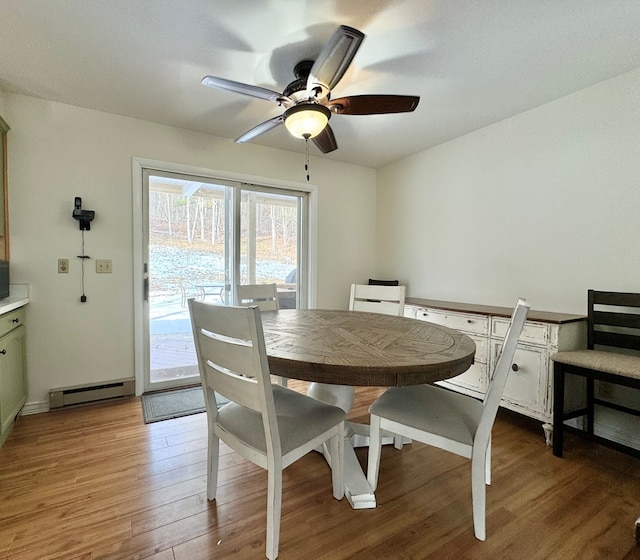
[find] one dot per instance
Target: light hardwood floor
(97, 483)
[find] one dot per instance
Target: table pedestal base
(356, 487)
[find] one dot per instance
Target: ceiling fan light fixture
(306, 120)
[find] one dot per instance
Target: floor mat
(165, 405)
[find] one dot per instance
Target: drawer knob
(3, 351)
(469, 321)
(515, 367)
(15, 320)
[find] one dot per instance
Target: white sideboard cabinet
(529, 387)
(13, 382)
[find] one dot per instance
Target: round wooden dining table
(362, 349)
(341, 349)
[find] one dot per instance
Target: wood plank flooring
(97, 483)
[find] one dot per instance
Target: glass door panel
(187, 258)
(202, 237)
(269, 233)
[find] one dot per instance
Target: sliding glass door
(202, 237)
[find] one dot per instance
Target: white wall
(543, 205)
(57, 152)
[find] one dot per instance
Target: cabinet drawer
(466, 322)
(534, 333)
(11, 320)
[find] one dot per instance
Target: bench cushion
(608, 362)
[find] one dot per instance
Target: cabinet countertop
(12, 303)
(543, 316)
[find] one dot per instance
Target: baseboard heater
(94, 392)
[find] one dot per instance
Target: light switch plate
(103, 266)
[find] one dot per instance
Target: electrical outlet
(63, 266)
(103, 266)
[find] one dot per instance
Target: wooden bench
(613, 336)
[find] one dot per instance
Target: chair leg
(375, 448)
(487, 464)
(558, 408)
(590, 405)
(212, 465)
(274, 510)
(479, 496)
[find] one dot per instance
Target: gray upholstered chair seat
(300, 419)
(431, 409)
(609, 362)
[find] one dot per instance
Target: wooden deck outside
(171, 342)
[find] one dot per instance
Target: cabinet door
(13, 387)
(410, 311)
(526, 387)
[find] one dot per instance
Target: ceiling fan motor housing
(297, 90)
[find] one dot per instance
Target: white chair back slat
(265, 296)
(243, 390)
(388, 300)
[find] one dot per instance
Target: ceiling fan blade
(246, 89)
(373, 104)
(326, 141)
(333, 61)
(260, 129)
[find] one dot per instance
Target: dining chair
(377, 298)
(451, 421)
(267, 424)
(265, 296)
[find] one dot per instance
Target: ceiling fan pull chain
(306, 156)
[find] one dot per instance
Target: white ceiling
(472, 62)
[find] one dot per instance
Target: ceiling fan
(307, 99)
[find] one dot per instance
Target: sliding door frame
(307, 230)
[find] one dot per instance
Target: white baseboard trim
(35, 408)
